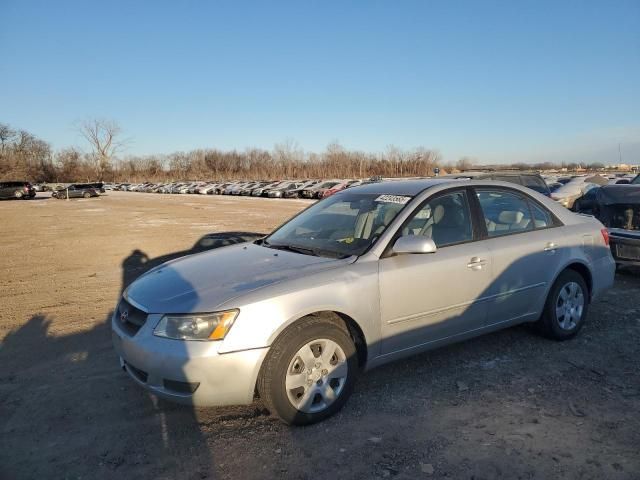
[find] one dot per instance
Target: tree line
(23, 156)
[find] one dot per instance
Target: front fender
(351, 290)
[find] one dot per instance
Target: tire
(316, 391)
(18, 194)
(566, 307)
(86, 195)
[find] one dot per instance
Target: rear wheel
(566, 307)
(309, 372)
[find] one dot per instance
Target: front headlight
(201, 326)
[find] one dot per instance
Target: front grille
(130, 318)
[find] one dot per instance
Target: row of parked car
(566, 190)
(312, 189)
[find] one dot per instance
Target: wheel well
(352, 327)
(343, 321)
(358, 337)
(584, 272)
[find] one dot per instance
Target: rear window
(535, 183)
(507, 178)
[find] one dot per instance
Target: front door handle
(550, 247)
(476, 263)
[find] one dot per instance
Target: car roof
(402, 187)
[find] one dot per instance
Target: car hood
(204, 281)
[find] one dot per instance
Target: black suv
(76, 190)
(19, 190)
(531, 180)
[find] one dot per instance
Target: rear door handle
(476, 263)
(550, 247)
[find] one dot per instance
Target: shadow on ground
(89, 405)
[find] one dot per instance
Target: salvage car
(531, 180)
(618, 208)
(369, 275)
(317, 190)
(78, 190)
(576, 188)
(297, 192)
(18, 190)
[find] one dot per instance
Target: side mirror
(414, 244)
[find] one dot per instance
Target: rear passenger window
(504, 212)
(541, 217)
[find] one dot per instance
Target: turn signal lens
(224, 324)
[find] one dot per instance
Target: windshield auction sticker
(393, 199)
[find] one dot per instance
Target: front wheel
(566, 307)
(309, 372)
(86, 195)
(18, 194)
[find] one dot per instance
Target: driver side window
(446, 219)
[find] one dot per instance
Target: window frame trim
(555, 221)
(475, 230)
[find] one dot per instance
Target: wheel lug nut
(317, 364)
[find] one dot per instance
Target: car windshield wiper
(316, 252)
(292, 248)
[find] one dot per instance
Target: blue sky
(500, 81)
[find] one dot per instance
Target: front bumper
(188, 372)
(625, 246)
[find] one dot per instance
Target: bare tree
(465, 163)
(6, 134)
(105, 139)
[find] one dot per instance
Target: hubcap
(316, 375)
(569, 306)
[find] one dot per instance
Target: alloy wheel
(569, 305)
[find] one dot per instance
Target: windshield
(636, 181)
(343, 225)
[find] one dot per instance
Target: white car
(567, 194)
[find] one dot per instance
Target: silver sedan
(366, 276)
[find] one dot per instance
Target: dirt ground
(507, 405)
